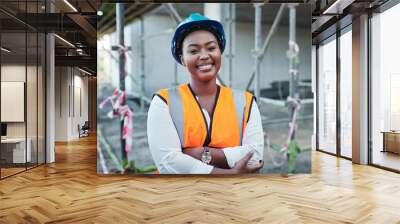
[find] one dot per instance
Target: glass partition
(22, 88)
(346, 93)
(327, 96)
(13, 94)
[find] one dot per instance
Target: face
(201, 55)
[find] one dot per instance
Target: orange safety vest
(227, 121)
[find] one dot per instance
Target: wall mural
(200, 89)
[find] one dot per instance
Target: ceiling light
(64, 40)
(70, 5)
(99, 13)
(338, 6)
(84, 71)
(5, 50)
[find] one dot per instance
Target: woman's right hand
(241, 166)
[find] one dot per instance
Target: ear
(182, 61)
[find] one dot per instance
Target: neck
(204, 88)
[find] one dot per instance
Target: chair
(84, 130)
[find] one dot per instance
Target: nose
(204, 55)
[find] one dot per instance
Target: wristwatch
(206, 155)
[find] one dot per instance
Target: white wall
(389, 67)
(159, 63)
(61, 105)
(33, 126)
(70, 84)
(81, 94)
(50, 97)
(16, 73)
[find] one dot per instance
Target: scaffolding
(122, 60)
(229, 19)
(227, 15)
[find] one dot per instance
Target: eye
(193, 51)
(211, 48)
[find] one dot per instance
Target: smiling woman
(202, 55)
(202, 127)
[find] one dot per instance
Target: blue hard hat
(194, 22)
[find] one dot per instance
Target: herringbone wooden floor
(70, 191)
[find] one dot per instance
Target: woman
(202, 127)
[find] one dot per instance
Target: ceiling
(77, 22)
(73, 20)
(245, 12)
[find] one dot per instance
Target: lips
(205, 67)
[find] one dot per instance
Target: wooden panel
(92, 101)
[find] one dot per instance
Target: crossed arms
(169, 157)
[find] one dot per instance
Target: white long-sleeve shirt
(166, 148)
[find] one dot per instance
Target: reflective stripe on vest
(176, 111)
(240, 105)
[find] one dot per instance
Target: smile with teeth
(205, 67)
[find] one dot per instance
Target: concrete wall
(159, 63)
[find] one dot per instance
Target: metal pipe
(257, 38)
(267, 40)
(293, 69)
(273, 29)
(177, 17)
(142, 64)
(120, 33)
(231, 41)
(292, 39)
(17, 19)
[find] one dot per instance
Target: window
(385, 89)
(346, 93)
(327, 96)
(22, 75)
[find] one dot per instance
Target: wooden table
(391, 141)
